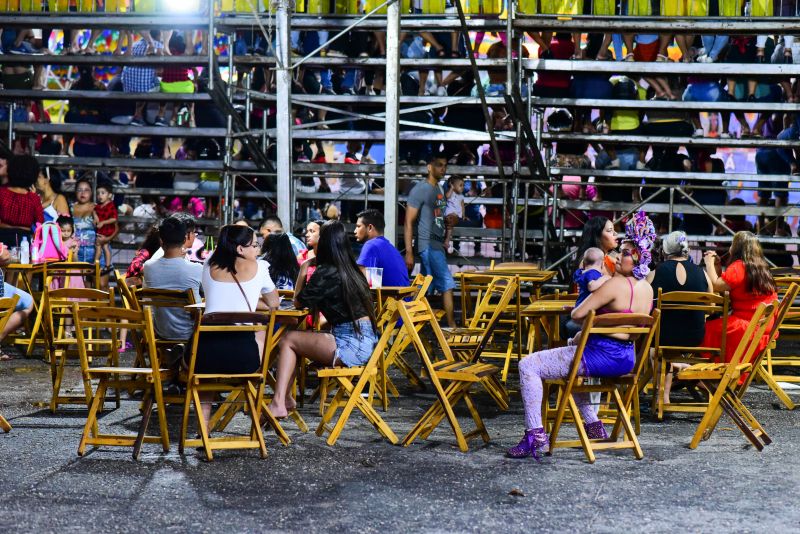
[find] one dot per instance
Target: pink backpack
(47, 242)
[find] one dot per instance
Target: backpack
(47, 242)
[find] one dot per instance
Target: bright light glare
(182, 6)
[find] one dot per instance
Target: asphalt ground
(365, 484)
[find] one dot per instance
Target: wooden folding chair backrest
(89, 272)
(747, 349)
(781, 312)
(422, 284)
(693, 301)
(493, 294)
(124, 290)
(639, 327)
(230, 322)
(415, 316)
(112, 320)
(7, 305)
(58, 307)
(507, 288)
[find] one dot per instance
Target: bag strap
(242, 290)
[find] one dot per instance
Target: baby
(454, 211)
(589, 277)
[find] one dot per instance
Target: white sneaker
(725, 135)
(441, 91)
(699, 133)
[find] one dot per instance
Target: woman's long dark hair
(231, 236)
(334, 249)
(277, 250)
(590, 237)
(152, 240)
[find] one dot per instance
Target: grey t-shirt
(173, 273)
(431, 203)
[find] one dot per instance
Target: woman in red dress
(749, 282)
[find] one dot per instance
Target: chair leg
(147, 410)
(741, 423)
(187, 404)
(4, 424)
(201, 425)
(476, 417)
(748, 417)
(255, 422)
(91, 419)
(710, 416)
(626, 424)
(776, 388)
(582, 436)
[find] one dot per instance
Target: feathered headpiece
(639, 229)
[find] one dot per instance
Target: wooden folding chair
(249, 385)
(348, 395)
(623, 390)
(451, 378)
(7, 306)
(721, 381)
(542, 324)
(62, 273)
(60, 346)
(666, 355)
(492, 306)
(147, 379)
(759, 368)
(159, 299)
(776, 365)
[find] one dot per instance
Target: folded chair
(666, 355)
(721, 381)
(451, 378)
(623, 390)
(147, 379)
(61, 346)
(250, 386)
(350, 382)
(7, 306)
(759, 369)
(493, 305)
(776, 365)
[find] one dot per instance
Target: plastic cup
(375, 276)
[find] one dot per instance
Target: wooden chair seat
(710, 371)
(469, 372)
(332, 372)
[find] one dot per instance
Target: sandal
(440, 52)
(661, 58)
(629, 57)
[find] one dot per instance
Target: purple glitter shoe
(596, 430)
(533, 443)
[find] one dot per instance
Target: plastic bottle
(25, 251)
(34, 254)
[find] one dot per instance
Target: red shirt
(559, 49)
(105, 212)
(20, 209)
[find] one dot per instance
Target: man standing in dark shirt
(426, 205)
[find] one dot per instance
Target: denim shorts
(353, 349)
(434, 263)
(25, 300)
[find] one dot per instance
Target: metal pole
(525, 221)
(392, 135)
(226, 199)
(509, 48)
(264, 130)
(671, 207)
(231, 69)
(11, 125)
(283, 121)
(211, 45)
(247, 102)
(503, 227)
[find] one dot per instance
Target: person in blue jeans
(425, 211)
(24, 305)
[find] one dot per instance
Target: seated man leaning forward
(378, 251)
(626, 292)
(174, 271)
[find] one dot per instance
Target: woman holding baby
(626, 291)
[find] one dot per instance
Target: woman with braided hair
(626, 292)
